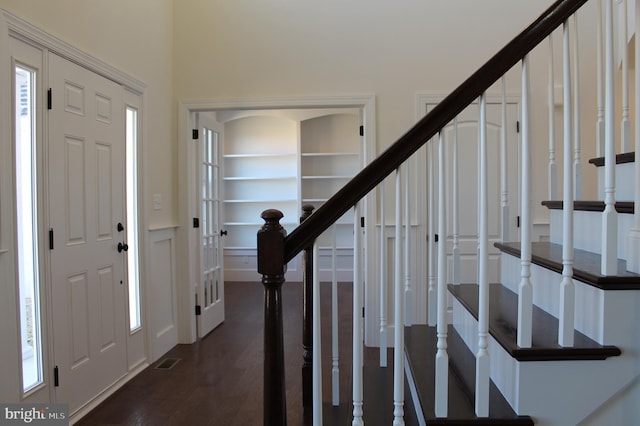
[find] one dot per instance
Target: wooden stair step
(627, 157)
(586, 266)
(624, 207)
(420, 349)
(503, 320)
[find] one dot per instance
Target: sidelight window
(133, 264)
(27, 227)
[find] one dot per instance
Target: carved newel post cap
(271, 244)
(271, 216)
(307, 209)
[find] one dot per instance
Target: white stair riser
(587, 230)
(526, 385)
(625, 177)
(601, 315)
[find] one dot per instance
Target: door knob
(223, 232)
(122, 247)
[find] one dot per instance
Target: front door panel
(86, 187)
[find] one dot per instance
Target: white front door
(86, 191)
(210, 291)
(468, 186)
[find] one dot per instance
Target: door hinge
(361, 130)
(363, 312)
(51, 239)
(435, 238)
(196, 222)
(49, 99)
(198, 310)
(195, 134)
(362, 222)
(56, 381)
(518, 126)
(518, 221)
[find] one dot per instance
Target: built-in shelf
(259, 178)
(328, 177)
(331, 154)
(269, 201)
(282, 164)
(262, 155)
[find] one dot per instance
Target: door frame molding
(12, 26)
(186, 185)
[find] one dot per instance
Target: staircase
(555, 340)
(594, 381)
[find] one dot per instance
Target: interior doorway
(241, 171)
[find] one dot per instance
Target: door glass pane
(133, 266)
(26, 204)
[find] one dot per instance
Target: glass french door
(211, 289)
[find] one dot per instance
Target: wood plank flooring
(218, 380)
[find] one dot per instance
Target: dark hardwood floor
(218, 380)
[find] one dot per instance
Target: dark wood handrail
(428, 127)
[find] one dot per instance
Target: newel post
(272, 267)
(307, 313)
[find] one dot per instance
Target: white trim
(29, 33)
(186, 109)
(155, 228)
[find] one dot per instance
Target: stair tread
(623, 207)
(503, 320)
(627, 157)
(586, 266)
(420, 348)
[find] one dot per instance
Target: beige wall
(195, 49)
(137, 38)
(254, 49)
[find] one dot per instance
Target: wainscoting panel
(162, 291)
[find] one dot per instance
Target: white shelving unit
(275, 162)
(329, 158)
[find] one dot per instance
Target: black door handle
(122, 247)
(223, 232)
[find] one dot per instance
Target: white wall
(254, 49)
(137, 38)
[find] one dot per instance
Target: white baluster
(442, 358)
(456, 209)
(482, 356)
(609, 216)
(335, 357)
(431, 261)
(525, 290)
(553, 168)
(504, 191)
(600, 131)
(408, 289)
(317, 350)
(633, 257)
(567, 298)
(577, 166)
(398, 318)
(383, 280)
(357, 322)
(625, 130)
